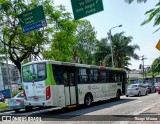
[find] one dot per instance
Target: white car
(136, 89)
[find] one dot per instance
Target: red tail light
(137, 88)
(24, 93)
(17, 100)
(48, 93)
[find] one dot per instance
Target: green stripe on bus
(50, 79)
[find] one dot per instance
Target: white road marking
(139, 101)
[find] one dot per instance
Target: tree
(151, 14)
(85, 40)
(102, 53)
(122, 50)
(155, 67)
(21, 46)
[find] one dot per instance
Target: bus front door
(69, 85)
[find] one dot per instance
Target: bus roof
(74, 64)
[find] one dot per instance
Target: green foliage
(3, 106)
(85, 42)
(15, 92)
(122, 50)
(150, 14)
(102, 53)
(59, 35)
(155, 68)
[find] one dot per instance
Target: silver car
(18, 102)
(136, 89)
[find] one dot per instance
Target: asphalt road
(110, 111)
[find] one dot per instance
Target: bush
(3, 106)
(15, 92)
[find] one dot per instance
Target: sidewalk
(153, 114)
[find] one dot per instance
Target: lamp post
(111, 42)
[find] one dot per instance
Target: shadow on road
(79, 113)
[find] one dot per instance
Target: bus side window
(83, 78)
(57, 74)
(65, 79)
(102, 76)
(107, 76)
(95, 76)
(112, 77)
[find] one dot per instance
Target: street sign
(32, 19)
(158, 45)
(83, 8)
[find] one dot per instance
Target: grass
(3, 106)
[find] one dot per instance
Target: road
(111, 111)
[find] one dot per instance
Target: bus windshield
(34, 72)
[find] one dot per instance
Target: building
(8, 75)
(134, 74)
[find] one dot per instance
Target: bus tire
(16, 110)
(28, 108)
(118, 95)
(88, 100)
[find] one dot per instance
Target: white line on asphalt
(139, 101)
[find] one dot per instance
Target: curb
(1, 111)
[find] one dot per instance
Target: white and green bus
(64, 84)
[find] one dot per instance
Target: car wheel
(16, 110)
(118, 96)
(126, 95)
(28, 108)
(139, 94)
(88, 100)
(146, 93)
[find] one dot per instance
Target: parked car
(136, 89)
(157, 85)
(159, 90)
(18, 102)
(2, 97)
(151, 88)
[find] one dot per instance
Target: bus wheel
(88, 100)
(28, 108)
(16, 110)
(118, 95)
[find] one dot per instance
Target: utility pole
(143, 65)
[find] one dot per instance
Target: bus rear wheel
(88, 100)
(28, 108)
(118, 95)
(16, 110)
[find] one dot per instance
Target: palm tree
(122, 50)
(102, 53)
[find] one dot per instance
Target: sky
(130, 16)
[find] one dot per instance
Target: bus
(65, 84)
